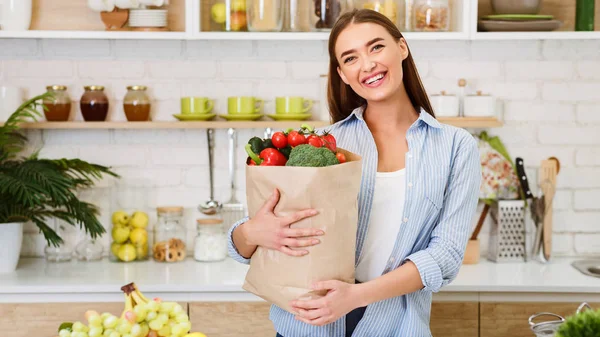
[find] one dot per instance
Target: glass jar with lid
(136, 104)
(58, 105)
(211, 241)
(169, 235)
(431, 16)
(324, 13)
(388, 8)
(94, 104)
(228, 15)
(265, 15)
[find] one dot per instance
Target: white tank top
(385, 222)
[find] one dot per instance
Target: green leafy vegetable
(309, 156)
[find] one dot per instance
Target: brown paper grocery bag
(333, 190)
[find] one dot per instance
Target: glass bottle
(295, 18)
(324, 13)
(136, 104)
(129, 236)
(58, 105)
(431, 16)
(211, 241)
(388, 8)
(94, 104)
(265, 15)
(228, 16)
(584, 15)
(64, 252)
(89, 250)
(169, 235)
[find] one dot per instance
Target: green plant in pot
(38, 190)
(582, 324)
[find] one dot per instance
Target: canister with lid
(211, 241)
(169, 235)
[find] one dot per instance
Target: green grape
(187, 326)
(107, 332)
(115, 334)
(145, 329)
(124, 327)
(95, 320)
(140, 313)
(79, 334)
(152, 306)
(95, 331)
(78, 326)
(136, 330)
(181, 318)
(155, 324)
(64, 333)
(110, 322)
(166, 306)
(127, 335)
(171, 322)
(177, 309)
(178, 330)
(163, 318)
(165, 331)
(105, 315)
(151, 316)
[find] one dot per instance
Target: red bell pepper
(272, 157)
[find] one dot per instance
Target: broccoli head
(309, 156)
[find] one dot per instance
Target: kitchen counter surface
(36, 280)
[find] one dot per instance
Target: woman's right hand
(268, 230)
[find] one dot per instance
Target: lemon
(114, 248)
(218, 12)
(138, 236)
(127, 252)
(120, 234)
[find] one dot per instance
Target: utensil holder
(509, 232)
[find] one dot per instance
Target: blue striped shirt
(443, 175)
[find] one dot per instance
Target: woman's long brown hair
(342, 100)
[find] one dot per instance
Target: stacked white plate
(148, 18)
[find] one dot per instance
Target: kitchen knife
(523, 178)
(534, 210)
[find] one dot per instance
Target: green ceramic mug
(196, 105)
(242, 105)
(292, 105)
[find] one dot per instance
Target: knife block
(509, 232)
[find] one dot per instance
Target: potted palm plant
(38, 190)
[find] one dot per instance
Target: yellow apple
(138, 236)
(139, 220)
(127, 252)
(238, 6)
(195, 334)
(218, 12)
(141, 251)
(120, 234)
(120, 218)
(114, 248)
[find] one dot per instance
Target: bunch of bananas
(141, 317)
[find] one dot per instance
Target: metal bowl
(516, 6)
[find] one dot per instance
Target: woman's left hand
(341, 298)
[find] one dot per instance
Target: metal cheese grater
(508, 235)
(233, 210)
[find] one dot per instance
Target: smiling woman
(419, 190)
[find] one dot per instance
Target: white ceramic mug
(101, 5)
(10, 99)
(15, 14)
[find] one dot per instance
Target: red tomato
(279, 140)
(330, 142)
(341, 157)
(315, 141)
(295, 138)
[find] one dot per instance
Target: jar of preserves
(265, 15)
(228, 16)
(324, 13)
(211, 241)
(129, 235)
(58, 106)
(169, 235)
(94, 104)
(431, 16)
(388, 8)
(137, 104)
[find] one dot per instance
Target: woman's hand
(267, 230)
(341, 298)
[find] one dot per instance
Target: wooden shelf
(536, 35)
(472, 122)
(93, 35)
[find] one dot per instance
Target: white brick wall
(548, 91)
